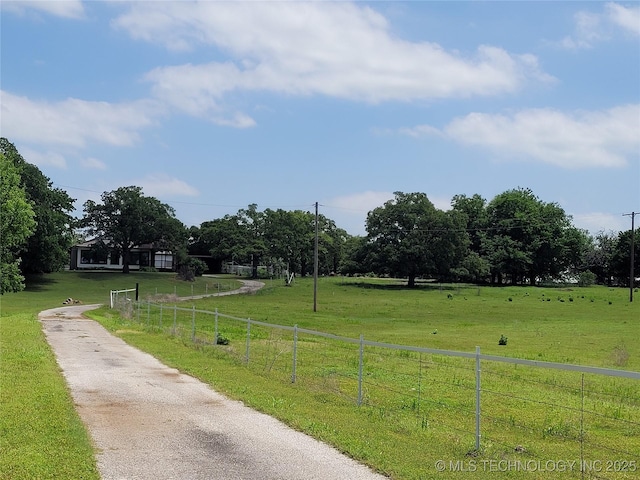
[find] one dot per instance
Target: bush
(586, 278)
(191, 268)
(503, 340)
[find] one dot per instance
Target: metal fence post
(175, 313)
(360, 369)
(138, 313)
(248, 340)
(419, 380)
(295, 353)
(193, 323)
(477, 398)
(215, 328)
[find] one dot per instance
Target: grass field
(417, 409)
(41, 436)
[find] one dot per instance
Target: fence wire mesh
(535, 409)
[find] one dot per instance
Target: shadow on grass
(37, 282)
(402, 285)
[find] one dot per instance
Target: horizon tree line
(513, 238)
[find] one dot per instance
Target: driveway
(149, 421)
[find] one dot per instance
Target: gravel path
(149, 421)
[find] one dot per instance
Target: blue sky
(212, 106)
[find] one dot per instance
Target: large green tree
(16, 225)
(528, 240)
(47, 249)
(599, 256)
(621, 257)
(127, 219)
(411, 238)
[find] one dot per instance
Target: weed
(620, 355)
(503, 340)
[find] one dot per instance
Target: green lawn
(548, 415)
(41, 435)
(417, 408)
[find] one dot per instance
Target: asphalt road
(150, 422)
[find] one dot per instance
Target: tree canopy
(16, 225)
(126, 219)
(409, 237)
(47, 248)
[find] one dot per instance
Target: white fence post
(175, 313)
(477, 398)
(361, 361)
(295, 353)
(248, 340)
(193, 323)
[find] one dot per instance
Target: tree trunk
(412, 281)
(254, 266)
(125, 260)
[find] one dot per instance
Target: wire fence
(488, 403)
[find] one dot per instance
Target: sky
(212, 106)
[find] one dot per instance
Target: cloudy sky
(211, 106)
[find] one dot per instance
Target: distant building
(95, 254)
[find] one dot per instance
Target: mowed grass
(529, 414)
(41, 435)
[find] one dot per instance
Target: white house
(91, 255)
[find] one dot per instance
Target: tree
(528, 239)
(47, 249)
(599, 256)
(411, 238)
(621, 257)
(16, 225)
(127, 219)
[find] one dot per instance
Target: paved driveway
(149, 421)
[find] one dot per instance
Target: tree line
(513, 238)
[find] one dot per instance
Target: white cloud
(595, 222)
(627, 18)
(335, 49)
(350, 211)
(161, 184)
(591, 28)
(44, 159)
(59, 8)
(361, 202)
(421, 131)
(93, 163)
(581, 139)
(73, 122)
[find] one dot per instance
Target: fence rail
(486, 401)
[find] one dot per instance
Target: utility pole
(315, 265)
(631, 273)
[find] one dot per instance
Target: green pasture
(417, 408)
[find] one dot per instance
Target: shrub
(191, 268)
(222, 340)
(586, 278)
(503, 340)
